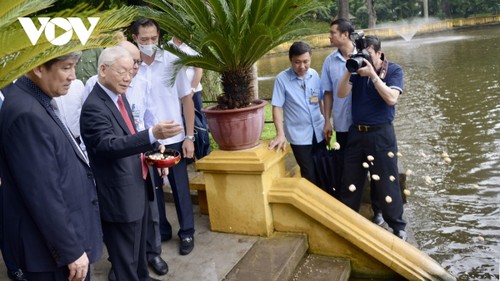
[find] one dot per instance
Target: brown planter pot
(236, 129)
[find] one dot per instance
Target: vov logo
(49, 25)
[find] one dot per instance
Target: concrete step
(322, 268)
(271, 259)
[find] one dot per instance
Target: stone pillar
(237, 183)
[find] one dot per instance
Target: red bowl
(172, 158)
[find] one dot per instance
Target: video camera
(356, 60)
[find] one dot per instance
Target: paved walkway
(214, 254)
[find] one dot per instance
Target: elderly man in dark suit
(115, 151)
(51, 212)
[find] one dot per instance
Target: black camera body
(356, 60)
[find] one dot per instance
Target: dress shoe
(17, 275)
(187, 245)
(159, 266)
(111, 275)
(378, 219)
(401, 234)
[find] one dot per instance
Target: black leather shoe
(111, 275)
(17, 275)
(401, 234)
(187, 245)
(378, 219)
(159, 266)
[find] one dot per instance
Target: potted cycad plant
(230, 36)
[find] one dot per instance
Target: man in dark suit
(51, 212)
(115, 151)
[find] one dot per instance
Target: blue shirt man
(296, 100)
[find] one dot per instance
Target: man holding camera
(375, 84)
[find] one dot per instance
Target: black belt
(370, 128)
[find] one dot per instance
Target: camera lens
(353, 64)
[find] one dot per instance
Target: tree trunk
(426, 9)
(372, 14)
(343, 9)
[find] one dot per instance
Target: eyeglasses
(122, 73)
(138, 62)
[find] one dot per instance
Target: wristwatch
(191, 138)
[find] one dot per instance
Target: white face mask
(148, 50)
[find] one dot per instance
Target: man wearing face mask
(166, 102)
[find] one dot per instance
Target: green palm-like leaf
(230, 36)
(18, 55)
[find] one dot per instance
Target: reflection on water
(451, 104)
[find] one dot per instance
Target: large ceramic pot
(236, 129)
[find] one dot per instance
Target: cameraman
(375, 90)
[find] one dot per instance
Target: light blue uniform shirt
(299, 99)
(333, 70)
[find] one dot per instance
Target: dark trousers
(179, 182)
(58, 275)
(153, 240)
(378, 141)
(342, 140)
(126, 244)
(304, 156)
(6, 254)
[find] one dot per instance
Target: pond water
(450, 104)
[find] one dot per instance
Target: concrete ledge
(322, 268)
(271, 259)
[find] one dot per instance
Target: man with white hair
(115, 148)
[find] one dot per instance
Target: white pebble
(447, 160)
(390, 154)
(366, 165)
(375, 177)
(428, 180)
(444, 155)
(352, 188)
(409, 172)
(399, 154)
(370, 158)
(476, 186)
(407, 192)
(392, 178)
(388, 199)
(481, 238)
(336, 146)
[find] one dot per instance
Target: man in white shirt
(194, 74)
(167, 102)
(70, 106)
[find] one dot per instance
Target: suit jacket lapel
(56, 119)
(114, 109)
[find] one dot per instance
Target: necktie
(127, 120)
(55, 108)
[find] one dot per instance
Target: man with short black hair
(297, 110)
(168, 102)
(375, 88)
(52, 227)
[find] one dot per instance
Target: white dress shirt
(163, 100)
(189, 69)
